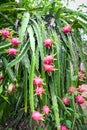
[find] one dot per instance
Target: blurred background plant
(32, 22)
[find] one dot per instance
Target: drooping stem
(55, 105)
(31, 90)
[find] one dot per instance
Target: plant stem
(55, 105)
(25, 90)
(31, 76)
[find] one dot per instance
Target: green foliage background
(33, 21)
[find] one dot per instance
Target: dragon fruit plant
(42, 66)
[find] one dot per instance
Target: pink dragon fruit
(48, 59)
(1, 77)
(66, 29)
(72, 90)
(80, 99)
(63, 127)
(49, 68)
(66, 101)
(48, 42)
(38, 81)
(39, 91)
(5, 33)
(12, 51)
(37, 116)
(46, 110)
(15, 41)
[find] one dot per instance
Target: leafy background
(33, 21)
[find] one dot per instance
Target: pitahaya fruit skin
(80, 99)
(37, 116)
(72, 89)
(38, 82)
(46, 109)
(5, 33)
(39, 91)
(15, 42)
(63, 127)
(49, 68)
(12, 51)
(48, 59)
(66, 29)
(48, 42)
(66, 101)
